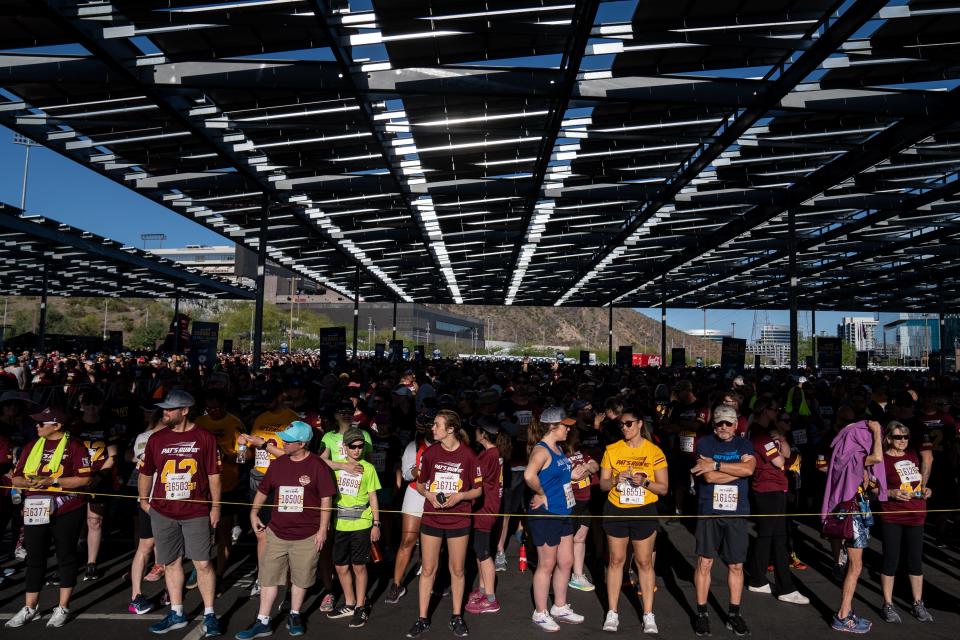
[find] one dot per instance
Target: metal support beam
(813, 333)
(356, 310)
(42, 332)
(261, 278)
(663, 322)
(610, 336)
(941, 315)
(394, 319)
(176, 323)
(792, 224)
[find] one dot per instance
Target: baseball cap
(297, 432)
(177, 399)
(51, 414)
(489, 424)
(580, 404)
(725, 413)
(556, 415)
(353, 435)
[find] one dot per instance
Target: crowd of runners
(437, 468)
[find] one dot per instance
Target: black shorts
(351, 547)
(427, 530)
(266, 510)
(145, 528)
(548, 530)
(634, 528)
(581, 514)
(726, 538)
(513, 490)
(481, 545)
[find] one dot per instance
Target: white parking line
(101, 616)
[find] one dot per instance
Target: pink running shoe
(483, 606)
(156, 572)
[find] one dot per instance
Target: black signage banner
(678, 357)
(829, 354)
(733, 354)
(333, 346)
(204, 337)
(396, 350)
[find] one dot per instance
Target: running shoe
(794, 597)
(255, 589)
(211, 626)
(156, 572)
(762, 589)
(458, 626)
(580, 583)
(612, 621)
(295, 625)
(59, 617)
(326, 605)
(738, 625)
(140, 605)
(500, 561)
(565, 614)
(192, 580)
(22, 617)
(343, 611)
(91, 572)
(475, 596)
(851, 624)
(889, 613)
(420, 627)
(483, 605)
(919, 611)
(394, 593)
(256, 630)
(545, 621)
(701, 625)
(171, 622)
(360, 617)
(650, 624)
(796, 563)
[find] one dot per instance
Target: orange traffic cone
(523, 558)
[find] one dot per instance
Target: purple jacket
(850, 449)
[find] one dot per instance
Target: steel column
(261, 280)
(356, 310)
(792, 231)
(42, 331)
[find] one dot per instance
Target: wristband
(716, 466)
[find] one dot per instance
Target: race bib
(630, 494)
(568, 494)
(36, 511)
(290, 500)
(908, 472)
(261, 459)
(178, 486)
(687, 441)
(523, 417)
(349, 483)
(725, 497)
(799, 436)
(446, 482)
(379, 460)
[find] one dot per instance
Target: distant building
(217, 260)
(774, 343)
(859, 332)
(710, 334)
(915, 336)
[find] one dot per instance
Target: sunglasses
(787, 420)
(355, 446)
(723, 424)
(626, 424)
(899, 437)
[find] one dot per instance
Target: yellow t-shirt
(646, 458)
(226, 430)
(267, 425)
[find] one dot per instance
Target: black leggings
(36, 540)
(902, 538)
(770, 545)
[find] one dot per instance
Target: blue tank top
(555, 480)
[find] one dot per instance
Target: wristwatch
(376, 523)
(55, 483)
(716, 466)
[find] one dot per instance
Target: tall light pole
(27, 143)
(733, 329)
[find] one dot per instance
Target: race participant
(299, 483)
(138, 603)
(582, 490)
(550, 475)
(495, 448)
(100, 436)
(227, 429)
(938, 436)
(267, 446)
(724, 466)
(770, 486)
(182, 464)
(413, 500)
(903, 515)
(334, 453)
(634, 473)
(357, 528)
(449, 480)
(518, 415)
(385, 458)
(52, 463)
(685, 422)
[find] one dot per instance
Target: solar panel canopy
(78, 263)
(631, 153)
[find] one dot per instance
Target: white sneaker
(650, 623)
(22, 617)
(612, 621)
(565, 614)
(543, 620)
(255, 589)
(580, 583)
(764, 589)
(59, 617)
(794, 597)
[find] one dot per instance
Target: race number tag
(725, 497)
(349, 483)
(178, 486)
(379, 460)
(568, 494)
(524, 417)
(630, 494)
(687, 441)
(36, 511)
(799, 436)
(261, 459)
(290, 500)
(446, 482)
(908, 472)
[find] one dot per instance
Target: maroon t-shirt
(298, 487)
(903, 473)
(182, 460)
(449, 472)
(491, 470)
(581, 489)
(74, 463)
(768, 478)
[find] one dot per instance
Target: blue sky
(64, 191)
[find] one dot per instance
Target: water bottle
(241, 453)
(235, 533)
(15, 496)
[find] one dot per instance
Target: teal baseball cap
(297, 432)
